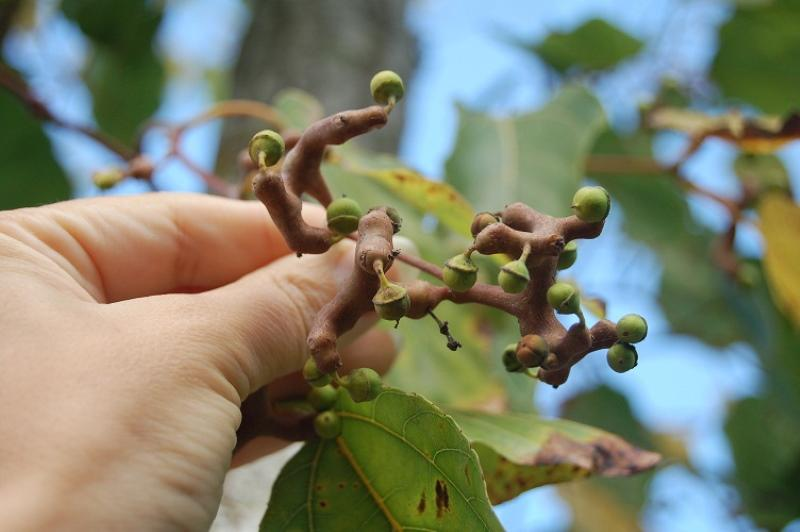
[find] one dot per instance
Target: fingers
(127, 247)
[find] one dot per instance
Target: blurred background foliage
(523, 103)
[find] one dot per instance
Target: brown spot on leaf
(442, 498)
(341, 485)
(467, 474)
(607, 455)
(323, 503)
(421, 505)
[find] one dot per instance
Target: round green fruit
(385, 86)
(391, 302)
(105, 179)
(343, 215)
(328, 425)
(631, 328)
(568, 256)
(513, 277)
(460, 273)
(313, 375)
(622, 357)
(591, 204)
(363, 384)
(564, 298)
(510, 361)
(268, 142)
(322, 398)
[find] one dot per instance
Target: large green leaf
(780, 225)
(522, 451)
(594, 45)
(695, 296)
(757, 56)
(124, 74)
(536, 158)
(399, 463)
(29, 175)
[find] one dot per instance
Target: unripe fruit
(105, 179)
(322, 398)
(394, 216)
(313, 375)
(385, 86)
(328, 425)
(510, 361)
(363, 384)
(564, 298)
(460, 273)
(568, 256)
(632, 328)
(481, 221)
(622, 357)
(268, 142)
(532, 349)
(513, 277)
(343, 215)
(391, 302)
(591, 204)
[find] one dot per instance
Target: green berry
(391, 302)
(532, 349)
(564, 298)
(105, 179)
(632, 328)
(481, 221)
(622, 357)
(460, 273)
(591, 204)
(268, 142)
(363, 384)
(568, 256)
(385, 86)
(322, 398)
(343, 215)
(327, 425)
(510, 361)
(513, 277)
(313, 375)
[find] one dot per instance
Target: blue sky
(467, 57)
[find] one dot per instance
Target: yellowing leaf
(780, 224)
(519, 452)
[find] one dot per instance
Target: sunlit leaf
(536, 158)
(780, 225)
(594, 45)
(522, 451)
(298, 108)
(29, 175)
(399, 463)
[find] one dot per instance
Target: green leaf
(520, 451)
(399, 463)
(536, 158)
(594, 45)
(695, 296)
(29, 175)
(761, 173)
(428, 196)
(758, 51)
(298, 108)
(780, 225)
(765, 440)
(124, 74)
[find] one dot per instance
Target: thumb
(254, 330)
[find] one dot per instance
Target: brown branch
(20, 89)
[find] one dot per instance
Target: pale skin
(132, 330)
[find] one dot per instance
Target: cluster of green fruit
(363, 384)
(591, 204)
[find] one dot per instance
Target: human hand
(133, 329)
